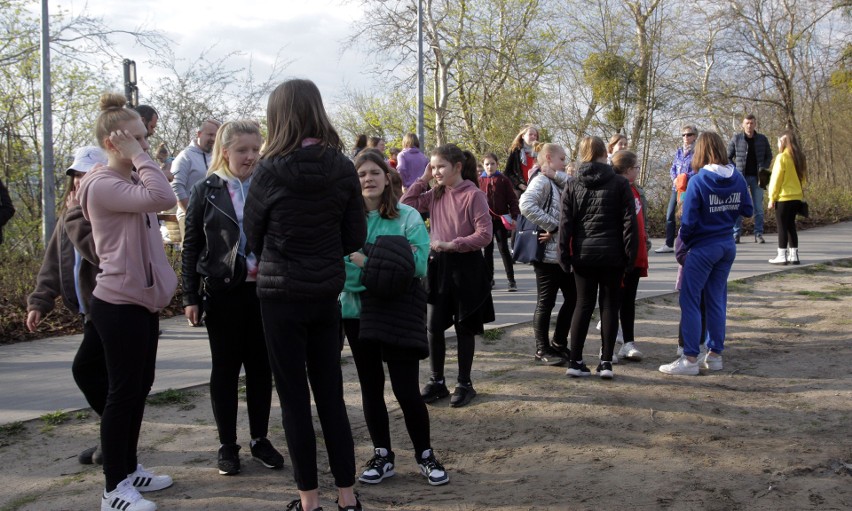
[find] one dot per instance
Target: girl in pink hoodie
(136, 281)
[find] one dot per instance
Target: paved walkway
(36, 376)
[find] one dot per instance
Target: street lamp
(130, 90)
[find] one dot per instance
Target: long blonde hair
(518, 142)
(295, 112)
(225, 136)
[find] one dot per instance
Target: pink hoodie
(134, 268)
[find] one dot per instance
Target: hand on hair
(125, 144)
(427, 174)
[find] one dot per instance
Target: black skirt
(460, 283)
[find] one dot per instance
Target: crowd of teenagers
(290, 247)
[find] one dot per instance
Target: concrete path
(35, 377)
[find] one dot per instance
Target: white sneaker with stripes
(125, 498)
(144, 481)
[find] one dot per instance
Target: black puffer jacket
(304, 212)
(598, 222)
(211, 241)
(393, 308)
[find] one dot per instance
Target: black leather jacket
(211, 242)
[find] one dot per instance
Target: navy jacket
(738, 149)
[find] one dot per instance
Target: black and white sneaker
(229, 460)
(268, 456)
(550, 357)
(125, 498)
(605, 370)
(379, 468)
(578, 369)
(432, 469)
(143, 480)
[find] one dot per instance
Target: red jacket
(501, 194)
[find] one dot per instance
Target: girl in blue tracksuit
(714, 198)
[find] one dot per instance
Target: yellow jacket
(784, 184)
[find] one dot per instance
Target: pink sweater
(460, 215)
(134, 268)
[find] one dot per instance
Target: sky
(309, 33)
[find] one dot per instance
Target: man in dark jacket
(7, 210)
(750, 151)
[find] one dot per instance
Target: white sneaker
(144, 480)
(665, 249)
(629, 351)
(712, 362)
(125, 498)
(680, 366)
(614, 356)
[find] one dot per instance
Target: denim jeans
(757, 199)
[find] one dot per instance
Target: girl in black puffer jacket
(598, 238)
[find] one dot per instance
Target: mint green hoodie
(408, 224)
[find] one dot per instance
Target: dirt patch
(771, 431)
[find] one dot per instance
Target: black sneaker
(563, 351)
(432, 469)
(758, 238)
(296, 505)
(577, 369)
(549, 356)
(379, 468)
(513, 286)
(262, 451)
(605, 370)
(85, 457)
(463, 394)
(434, 390)
(356, 507)
(98, 455)
(229, 460)
(737, 238)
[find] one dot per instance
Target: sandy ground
(770, 431)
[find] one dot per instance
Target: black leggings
(588, 280)
(550, 278)
(404, 377)
(785, 216)
(235, 329)
(627, 310)
(89, 368)
(502, 237)
(303, 340)
(129, 336)
(436, 316)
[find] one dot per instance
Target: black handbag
(803, 210)
(763, 177)
(527, 248)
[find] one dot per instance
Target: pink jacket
(460, 215)
(134, 268)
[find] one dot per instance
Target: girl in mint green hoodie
(385, 217)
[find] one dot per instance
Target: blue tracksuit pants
(706, 270)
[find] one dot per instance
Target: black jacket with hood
(304, 212)
(598, 223)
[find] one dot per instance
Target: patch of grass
(493, 334)
(12, 428)
(815, 268)
(833, 294)
(738, 286)
(19, 502)
(55, 418)
(82, 415)
(170, 397)
(746, 315)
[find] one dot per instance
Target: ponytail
(453, 154)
